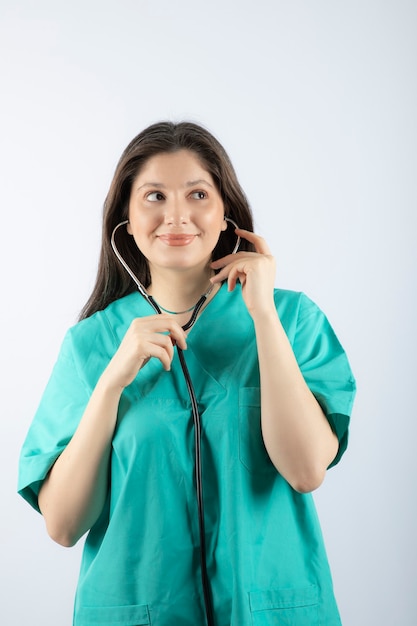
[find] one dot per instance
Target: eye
(199, 195)
(155, 196)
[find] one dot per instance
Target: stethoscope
(195, 413)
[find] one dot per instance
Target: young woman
(191, 410)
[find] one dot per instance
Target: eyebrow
(190, 183)
(150, 184)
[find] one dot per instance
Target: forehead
(182, 164)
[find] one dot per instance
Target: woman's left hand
(254, 270)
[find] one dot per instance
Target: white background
(316, 103)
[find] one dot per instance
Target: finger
(231, 259)
(176, 339)
(220, 276)
(176, 332)
(231, 272)
(163, 353)
(219, 263)
(179, 338)
(162, 323)
(160, 346)
(233, 277)
(259, 242)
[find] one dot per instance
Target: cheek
(221, 225)
(214, 219)
(142, 224)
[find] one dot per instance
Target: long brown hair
(112, 280)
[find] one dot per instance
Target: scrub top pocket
(252, 451)
(137, 615)
(285, 607)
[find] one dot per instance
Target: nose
(176, 213)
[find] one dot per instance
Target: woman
(197, 501)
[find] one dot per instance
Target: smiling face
(176, 213)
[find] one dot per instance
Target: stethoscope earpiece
(235, 249)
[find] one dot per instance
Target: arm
(74, 492)
(296, 433)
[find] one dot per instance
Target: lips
(177, 240)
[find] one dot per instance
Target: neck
(178, 291)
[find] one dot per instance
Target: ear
(129, 228)
(224, 225)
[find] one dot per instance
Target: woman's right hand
(147, 337)
(75, 490)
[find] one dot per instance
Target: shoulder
(106, 327)
(298, 313)
(285, 298)
(291, 304)
(295, 301)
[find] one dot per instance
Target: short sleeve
(326, 369)
(56, 419)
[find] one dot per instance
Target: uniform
(265, 555)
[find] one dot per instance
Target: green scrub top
(265, 555)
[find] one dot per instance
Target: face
(176, 214)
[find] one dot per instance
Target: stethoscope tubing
(198, 472)
(199, 489)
